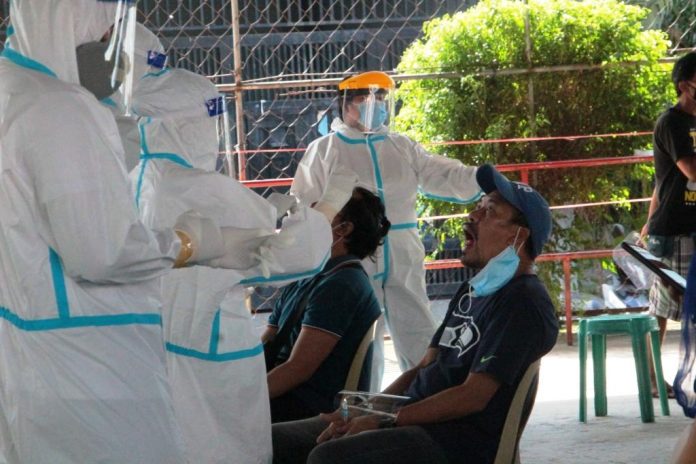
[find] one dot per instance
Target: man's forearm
(687, 165)
(285, 377)
(651, 211)
(470, 397)
(653, 203)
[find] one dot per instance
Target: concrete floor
(554, 434)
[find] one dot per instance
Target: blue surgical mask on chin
(497, 272)
(379, 115)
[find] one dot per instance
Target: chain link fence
(278, 62)
(289, 41)
(284, 41)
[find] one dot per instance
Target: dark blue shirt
(342, 303)
(502, 335)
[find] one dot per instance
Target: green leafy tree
(677, 17)
(621, 87)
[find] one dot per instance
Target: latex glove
(241, 248)
(282, 203)
(265, 255)
(203, 235)
(339, 189)
(264, 261)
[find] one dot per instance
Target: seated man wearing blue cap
(498, 324)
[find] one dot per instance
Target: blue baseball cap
(528, 201)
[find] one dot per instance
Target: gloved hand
(266, 254)
(240, 248)
(341, 182)
(201, 238)
(247, 249)
(282, 203)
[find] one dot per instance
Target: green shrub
(613, 99)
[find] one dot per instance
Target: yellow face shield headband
(367, 80)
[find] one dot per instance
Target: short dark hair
(684, 70)
(519, 220)
(370, 224)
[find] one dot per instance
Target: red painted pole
(524, 176)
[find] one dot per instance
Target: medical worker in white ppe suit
(148, 58)
(96, 76)
(214, 356)
(396, 168)
(82, 360)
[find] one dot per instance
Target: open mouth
(469, 238)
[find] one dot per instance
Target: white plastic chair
(517, 416)
(353, 378)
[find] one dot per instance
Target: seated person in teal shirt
(340, 307)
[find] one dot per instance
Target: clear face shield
(359, 403)
(202, 137)
(218, 108)
(122, 47)
(368, 110)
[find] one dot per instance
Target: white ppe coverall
(214, 357)
(148, 58)
(395, 168)
(82, 361)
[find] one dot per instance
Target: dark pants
(288, 408)
(295, 442)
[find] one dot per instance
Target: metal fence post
(238, 92)
(531, 117)
(568, 301)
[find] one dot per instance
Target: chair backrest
(356, 367)
(517, 416)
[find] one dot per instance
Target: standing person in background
(396, 169)
(671, 225)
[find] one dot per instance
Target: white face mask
(497, 272)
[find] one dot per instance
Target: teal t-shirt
(342, 303)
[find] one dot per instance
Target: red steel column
(524, 176)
